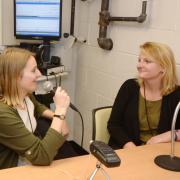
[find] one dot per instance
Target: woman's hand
(64, 126)
(61, 100)
(161, 138)
(129, 145)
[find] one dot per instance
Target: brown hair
(12, 62)
(163, 56)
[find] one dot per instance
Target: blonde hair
(163, 56)
(12, 62)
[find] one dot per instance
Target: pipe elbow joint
(105, 43)
(141, 18)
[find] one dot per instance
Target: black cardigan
(123, 124)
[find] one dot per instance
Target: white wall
(100, 73)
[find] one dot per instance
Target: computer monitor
(38, 19)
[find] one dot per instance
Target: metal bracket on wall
(66, 35)
(105, 19)
(71, 38)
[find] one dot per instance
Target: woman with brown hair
(19, 111)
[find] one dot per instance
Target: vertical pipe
(103, 42)
(104, 9)
(104, 20)
(72, 17)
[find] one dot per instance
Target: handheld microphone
(48, 87)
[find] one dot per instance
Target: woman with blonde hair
(19, 111)
(143, 109)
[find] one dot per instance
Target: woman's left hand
(161, 138)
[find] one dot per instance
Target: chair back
(100, 118)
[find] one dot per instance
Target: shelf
(53, 78)
(49, 77)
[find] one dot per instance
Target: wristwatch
(175, 135)
(61, 117)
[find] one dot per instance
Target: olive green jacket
(16, 139)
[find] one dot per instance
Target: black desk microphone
(48, 87)
(104, 153)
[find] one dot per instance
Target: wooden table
(136, 164)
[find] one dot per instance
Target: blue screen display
(38, 19)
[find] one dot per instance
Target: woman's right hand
(61, 100)
(129, 145)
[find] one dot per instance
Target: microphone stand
(170, 162)
(98, 167)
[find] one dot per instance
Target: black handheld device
(105, 154)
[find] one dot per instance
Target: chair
(100, 118)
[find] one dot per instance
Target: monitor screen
(37, 19)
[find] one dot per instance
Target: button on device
(28, 152)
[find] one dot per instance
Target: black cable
(82, 136)
(41, 54)
(55, 79)
(82, 121)
(60, 80)
(47, 78)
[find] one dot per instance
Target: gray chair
(100, 118)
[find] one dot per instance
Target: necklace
(146, 111)
(28, 115)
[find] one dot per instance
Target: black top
(123, 124)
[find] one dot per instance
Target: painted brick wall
(100, 73)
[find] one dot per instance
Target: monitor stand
(46, 51)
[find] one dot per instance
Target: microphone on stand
(48, 87)
(170, 162)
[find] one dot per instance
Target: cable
(47, 78)
(82, 121)
(59, 80)
(53, 73)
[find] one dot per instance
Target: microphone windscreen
(47, 86)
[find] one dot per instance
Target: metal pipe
(173, 129)
(141, 18)
(170, 162)
(72, 17)
(105, 19)
(104, 42)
